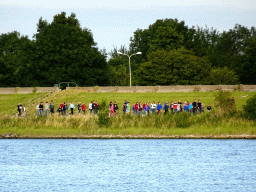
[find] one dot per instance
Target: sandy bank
(224, 136)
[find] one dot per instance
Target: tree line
(172, 54)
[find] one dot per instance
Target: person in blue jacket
(159, 107)
(190, 107)
(166, 107)
(185, 107)
(146, 109)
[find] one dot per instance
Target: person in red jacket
(136, 107)
(143, 107)
(61, 108)
(83, 107)
(175, 105)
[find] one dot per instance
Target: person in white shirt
(38, 110)
(71, 107)
(178, 108)
(90, 107)
(153, 107)
(24, 111)
(46, 108)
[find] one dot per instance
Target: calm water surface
(127, 165)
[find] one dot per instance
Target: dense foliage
(223, 76)
(250, 108)
(61, 51)
(177, 67)
(118, 72)
(225, 103)
(231, 53)
(172, 53)
(103, 117)
(12, 48)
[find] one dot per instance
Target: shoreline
(131, 137)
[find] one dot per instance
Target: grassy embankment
(212, 123)
(9, 102)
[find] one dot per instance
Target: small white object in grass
(245, 96)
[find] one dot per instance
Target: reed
(177, 124)
(209, 123)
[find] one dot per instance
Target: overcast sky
(113, 22)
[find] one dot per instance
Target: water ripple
(127, 165)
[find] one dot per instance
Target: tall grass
(177, 124)
(209, 123)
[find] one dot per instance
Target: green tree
(115, 62)
(167, 39)
(248, 69)
(7, 71)
(204, 41)
(63, 51)
(222, 76)
(142, 39)
(12, 47)
(113, 53)
(118, 74)
(176, 67)
(229, 50)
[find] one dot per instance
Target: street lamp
(138, 53)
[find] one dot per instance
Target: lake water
(127, 165)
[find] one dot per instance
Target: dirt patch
(12, 136)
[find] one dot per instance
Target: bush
(103, 119)
(250, 108)
(183, 120)
(34, 90)
(225, 102)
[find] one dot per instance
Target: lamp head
(138, 53)
(119, 53)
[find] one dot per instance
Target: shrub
(103, 119)
(250, 108)
(96, 88)
(196, 89)
(34, 90)
(225, 102)
(17, 89)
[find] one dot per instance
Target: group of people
(144, 109)
(22, 109)
(138, 108)
(63, 107)
(47, 108)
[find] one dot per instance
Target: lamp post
(129, 56)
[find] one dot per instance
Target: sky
(113, 22)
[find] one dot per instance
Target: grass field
(201, 124)
(9, 102)
(81, 96)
